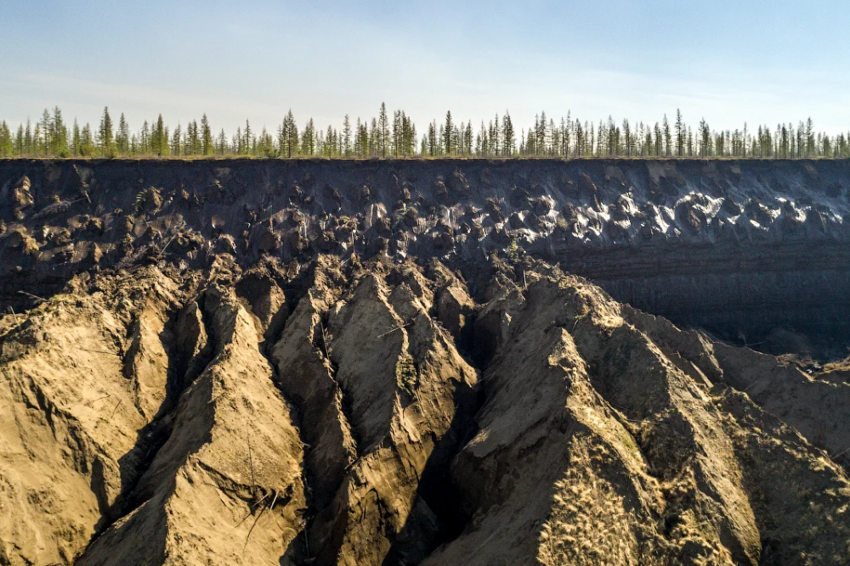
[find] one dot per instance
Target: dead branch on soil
(269, 507)
(753, 384)
(257, 520)
(97, 351)
(396, 328)
(251, 463)
(171, 239)
(251, 508)
(115, 410)
(325, 341)
(842, 453)
(31, 296)
(93, 401)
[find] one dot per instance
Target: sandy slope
(376, 414)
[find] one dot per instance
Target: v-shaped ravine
(348, 412)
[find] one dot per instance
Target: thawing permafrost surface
(592, 220)
(634, 211)
(712, 208)
(631, 207)
(663, 225)
(594, 214)
(670, 214)
(798, 213)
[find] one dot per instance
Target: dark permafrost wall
(747, 249)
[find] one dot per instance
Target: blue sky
(726, 61)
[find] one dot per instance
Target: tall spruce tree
(6, 146)
(159, 138)
(59, 141)
(448, 130)
(77, 139)
(680, 134)
(87, 142)
(105, 134)
(206, 136)
(346, 136)
(508, 135)
(122, 137)
(383, 133)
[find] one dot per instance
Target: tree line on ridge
(394, 135)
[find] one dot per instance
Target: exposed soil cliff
(382, 363)
(738, 247)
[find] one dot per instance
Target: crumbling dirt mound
(348, 412)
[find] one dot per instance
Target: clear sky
(728, 61)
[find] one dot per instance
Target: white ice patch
(581, 220)
(712, 208)
(529, 235)
(594, 222)
(580, 224)
(596, 215)
(663, 225)
(707, 204)
(631, 207)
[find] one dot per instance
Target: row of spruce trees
(396, 136)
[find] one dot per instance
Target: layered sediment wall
(738, 247)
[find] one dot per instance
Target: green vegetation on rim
(396, 136)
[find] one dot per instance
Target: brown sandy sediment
(316, 387)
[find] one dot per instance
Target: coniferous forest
(394, 135)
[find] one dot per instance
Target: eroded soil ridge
(177, 392)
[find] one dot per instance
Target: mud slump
(280, 363)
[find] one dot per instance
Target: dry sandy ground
(375, 413)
